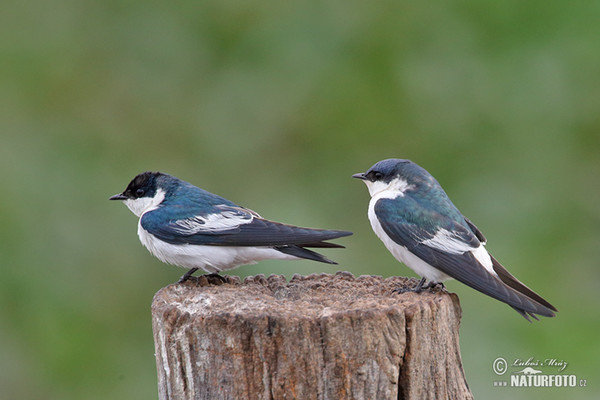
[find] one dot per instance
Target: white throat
(396, 186)
(145, 204)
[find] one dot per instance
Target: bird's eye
(139, 193)
(374, 176)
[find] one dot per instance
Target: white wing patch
(448, 242)
(484, 259)
(225, 220)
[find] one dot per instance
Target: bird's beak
(119, 196)
(360, 176)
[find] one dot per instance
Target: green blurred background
(274, 105)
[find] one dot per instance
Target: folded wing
(456, 249)
(235, 226)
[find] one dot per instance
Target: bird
(418, 223)
(186, 226)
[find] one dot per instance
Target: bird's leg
(209, 277)
(421, 285)
(433, 284)
(416, 289)
(217, 276)
(187, 275)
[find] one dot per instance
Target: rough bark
(314, 337)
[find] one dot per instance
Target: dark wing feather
(301, 252)
(235, 226)
(462, 267)
(476, 231)
(508, 278)
(516, 284)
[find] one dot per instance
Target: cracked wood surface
(314, 337)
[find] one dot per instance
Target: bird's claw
(401, 290)
(216, 277)
(419, 288)
(187, 275)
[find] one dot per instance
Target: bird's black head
(145, 192)
(143, 185)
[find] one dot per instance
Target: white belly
(211, 259)
(402, 254)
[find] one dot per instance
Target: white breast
(401, 253)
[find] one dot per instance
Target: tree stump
(316, 337)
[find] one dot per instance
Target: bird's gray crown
(392, 168)
(387, 170)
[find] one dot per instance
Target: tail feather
(503, 287)
(522, 303)
(519, 286)
(324, 245)
(526, 314)
(301, 252)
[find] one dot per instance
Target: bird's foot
(215, 278)
(206, 279)
(433, 285)
(420, 287)
(406, 289)
(187, 275)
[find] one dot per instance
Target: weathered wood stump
(316, 337)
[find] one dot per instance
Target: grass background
(274, 105)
